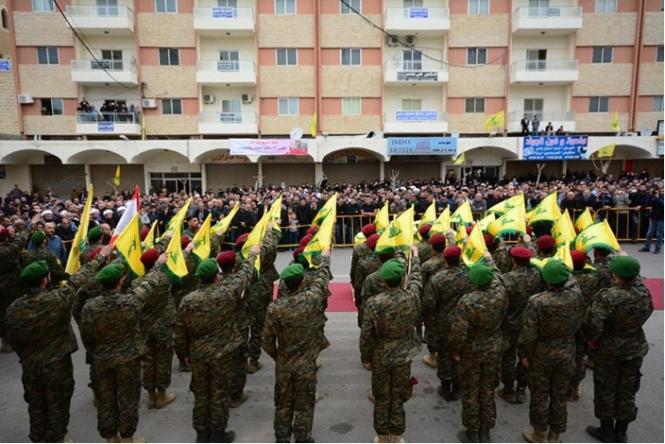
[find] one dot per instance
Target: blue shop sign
(223, 12)
(405, 146)
(419, 13)
(555, 147)
(105, 127)
(416, 116)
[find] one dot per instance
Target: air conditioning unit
(392, 41)
(208, 98)
(149, 103)
(25, 99)
(246, 98)
(409, 40)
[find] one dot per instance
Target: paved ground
(343, 413)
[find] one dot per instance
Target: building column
(318, 172)
(204, 178)
(146, 179)
(88, 177)
(382, 170)
(442, 170)
(564, 167)
(502, 169)
(259, 174)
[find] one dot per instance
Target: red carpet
(655, 286)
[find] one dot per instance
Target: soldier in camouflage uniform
(601, 262)
(388, 343)
(93, 241)
(40, 331)
(429, 268)
(360, 251)
(500, 253)
(615, 321)
(41, 253)
(366, 266)
(425, 250)
(546, 346)
(210, 335)
(372, 284)
(475, 342)
(11, 245)
(182, 287)
(546, 246)
(521, 283)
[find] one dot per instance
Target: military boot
(430, 360)
(223, 436)
(184, 367)
(382, 438)
(163, 399)
(444, 390)
(454, 391)
(520, 395)
(508, 393)
(576, 393)
(604, 433)
(253, 366)
(202, 436)
(237, 402)
(553, 437)
(485, 434)
(535, 435)
(152, 398)
(115, 438)
(467, 436)
(132, 439)
(396, 438)
(620, 428)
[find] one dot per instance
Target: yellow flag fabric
(128, 245)
(606, 151)
(474, 247)
(179, 217)
(330, 207)
(175, 260)
(508, 204)
(563, 230)
(429, 216)
(276, 210)
(359, 239)
(460, 160)
(382, 218)
(614, 123)
(313, 126)
(256, 237)
(73, 261)
(202, 245)
(322, 240)
(486, 221)
(463, 214)
(562, 254)
(223, 225)
(513, 222)
(460, 236)
(583, 220)
(495, 121)
(399, 234)
(116, 177)
(442, 223)
(149, 240)
(597, 235)
(547, 209)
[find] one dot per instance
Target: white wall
(558, 47)
(556, 98)
(431, 97)
(209, 47)
(99, 42)
(15, 175)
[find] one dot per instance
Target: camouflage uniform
(366, 266)
(588, 282)
(208, 333)
(359, 252)
(55, 267)
(551, 320)
(475, 336)
(10, 251)
(430, 268)
(388, 341)
(40, 331)
(501, 258)
(293, 338)
(187, 284)
(605, 278)
(425, 251)
(372, 286)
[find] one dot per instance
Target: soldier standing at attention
(293, 337)
(367, 265)
(40, 331)
(227, 263)
(615, 321)
(429, 268)
(360, 251)
(388, 343)
(546, 246)
(601, 262)
(182, 287)
(372, 284)
(500, 253)
(475, 343)
(425, 249)
(546, 346)
(11, 245)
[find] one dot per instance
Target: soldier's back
(521, 284)
(501, 258)
(449, 285)
(484, 310)
(588, 282)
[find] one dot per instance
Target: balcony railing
(414, 65)
(543, 116)
(227, 118)
(99, 11)
(417, 13)
(227, 66)
(548, 12)
(223, 13)
(104, 65)
(544, 65)
(99, 116)
(415, 71)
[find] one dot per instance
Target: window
(231, 111)
(288, 106)
(111, 59)
(287, 56)
(658, 103)
(42, 5)
(166, 6)
(47, 55)
(171, 106)
(659, 54)
(349, 6)
(351, 106)
(476, 56)
(169, 56)
(533, 108)
(413, 3)
(479, 7)
(52, 107)
(285, 7)
(5, 19)
(350, 56)
(228, 61)
(599, 104)
(412, 60)
(474, 105)
(606, 6)
(412, 105)
(602, 54)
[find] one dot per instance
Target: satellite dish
(296, 133)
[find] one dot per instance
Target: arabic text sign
(417, 76)
(223, 12)
(5, 65)
(418, 13)
(555, 147)
(105, 127)
(416, 116)
(405, 146)
(268, 147)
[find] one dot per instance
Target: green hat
(386, 251)
(95, 234)
(481, 274)
(37, 238)
(292, 272)
(111, 274)
(626, 267)
(555, 272)
(34, 271)
(392, 270)
(206, 269)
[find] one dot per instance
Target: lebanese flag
(132, 208)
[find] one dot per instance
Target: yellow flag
(486, 221)
(322, 240)
(276, 210)
(73, 261)
(175, 260)
(116, 177)
(547, 209)
(513, 222)
(606, 151)
(460, 160)
(330, 207)
(382, 218)
(463, 214)
(223, 225)
(313, 126)
(149, 240)
(563, 254)
(563, 230)
(474, 247)
(508, 204)
(256, 237)
(359, 239)
(495, 121)
(128, 244)
(201, 240)
(597, 235)
(583, 220)
(399, 234)
(460, 236)
(442, 223)
(179, 217)
(614, 123)
(429, 216)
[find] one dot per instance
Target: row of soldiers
(502, 319)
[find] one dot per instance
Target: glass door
(107, 8)
(534, 108)
(412, 60)
(536, 59)
(231, 111)
(111, 59)
(228, 61)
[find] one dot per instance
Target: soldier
(193, 224)
(94, 240)
(601, 261)
(367, 265)
(546, 346)
(429, 268)
(425, 250)
(181, 287)
(372, 284)
(499, 252)
(41, 252)
(546, 246)
(40, 331)
(293, 338)
(210, 335)
(521, 283)
(359, 252)
(388, 343)
(615, 321)
(475, 343)
(11, 245)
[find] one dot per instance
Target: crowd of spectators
(109, 111)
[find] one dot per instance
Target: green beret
(481, 274)
(392, 270)
(37, 238)
(555, 272)
(386, 251)
(95, 234)
(292, 272)
(206, 269)
(35, 271)
(626, 267)
(111, 274)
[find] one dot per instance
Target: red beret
(144, 233)
(240, 241)
(4, 233)
(489, 239)
(149, 257)
(579, 259)
(305, 240)
(94, 252)
(520, 253)
(424, 229)
(312, 230)
(184, 241)
(545, 242)
(372, 240)
(453, 252)
(226, 258)
(469, 229)
(368, 229)
(437, 239)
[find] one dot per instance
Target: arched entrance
(169, 170)
(352, 165)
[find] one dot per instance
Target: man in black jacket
(655, 223)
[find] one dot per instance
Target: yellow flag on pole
(223, 225)
(460, 236)
(276, 210)
(429, 216)
(513, 222)
(175, 260)
(606, 151)
(583, 220)
(474, 247)
(202, 245)
(486, 221)
(597, 235)
(149, 240)
(382, 218)
(563, 254)
(116, 177)
(256, 237)
(614, 123)
(313, 126)
(323, 238)
(179, 217)
(128, 245)
(563, 230)
(463, 214)
(547, 209)
(508, 204)
(495, 121)
(399, 234)
(330, 207)
(442, 223)
(460, 160)
(73, 261)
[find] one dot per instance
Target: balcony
(552, 20)
(567, 119)
(398, 122)
(421, 21)
(99, 123)
(226, 72)
(102, 20)
(228, 123)
(223, 20)
(425, 72)
(95, 72)
(544, 71)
